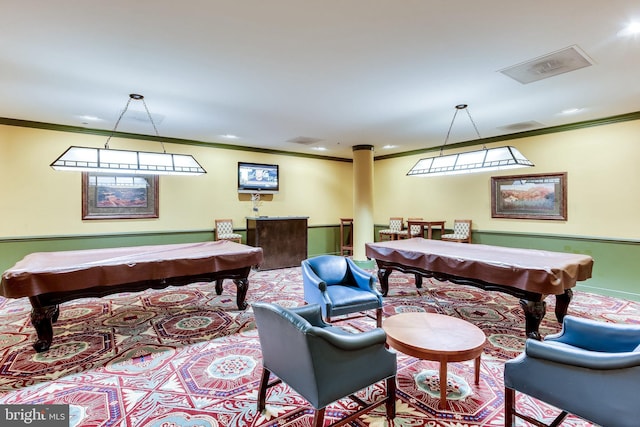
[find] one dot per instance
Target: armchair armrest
(362, 278)
(312, 278)
(312, 314)
(597, 336)
(566, 354)
(375, 337)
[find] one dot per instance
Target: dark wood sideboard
(283, 240)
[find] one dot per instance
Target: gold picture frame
(116, 196)
(538, 196)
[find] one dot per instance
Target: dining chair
(461, 232)
(224, 231)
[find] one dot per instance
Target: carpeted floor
(187, 357)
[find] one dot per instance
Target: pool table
(51, 278)
(529, 274)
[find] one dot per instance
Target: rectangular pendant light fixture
(88, 159)
(484, 160)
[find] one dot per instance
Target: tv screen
(258, 178)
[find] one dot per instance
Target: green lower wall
(615, 273)
(615, 270)
(616, 267)
(322, 240)
(12, 250)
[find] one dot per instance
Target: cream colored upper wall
(603, 185)
(601, 162)
(38, 201)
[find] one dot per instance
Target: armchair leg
(391, 398)
(379, 317)
(318, 417)
(509, 401)
(262, 393)
(510, 412)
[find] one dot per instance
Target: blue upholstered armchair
(340, 287)
(590, 369)
(320, 362)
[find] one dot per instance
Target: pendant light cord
(458, 108)
(126, 107)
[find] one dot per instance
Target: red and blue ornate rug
(188, 357)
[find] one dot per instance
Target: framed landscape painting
(115, 196)
(540, 196)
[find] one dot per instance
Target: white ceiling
(345, 72)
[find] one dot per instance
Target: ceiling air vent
(304, 140)
(522, 126)
(142, 116)
(560, 62)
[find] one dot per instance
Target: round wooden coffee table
(436, 337)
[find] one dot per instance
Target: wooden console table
(283, 240)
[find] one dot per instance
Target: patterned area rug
(188, 357)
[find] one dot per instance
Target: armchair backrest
(332, 269)
(320, 362)
(594, 369)
(285, 350)
(597, 336)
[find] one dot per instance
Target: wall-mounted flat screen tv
(258, 178)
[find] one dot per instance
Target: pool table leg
(534, 312)
(219, 283)
(242, 286)
(562, 304)
(418, 280)
(42, 319)
(383, 278)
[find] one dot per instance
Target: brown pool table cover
(42, 272)
(533, 270)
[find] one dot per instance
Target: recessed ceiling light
(229, 136)
(571, 111)
(90, 118)
(319, 148)
(388, 146)
(632, 29)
